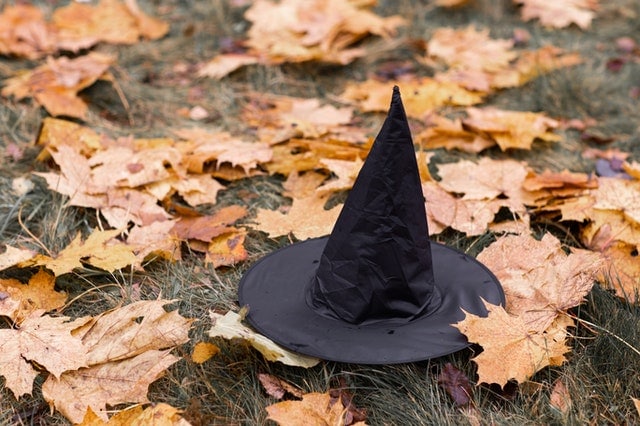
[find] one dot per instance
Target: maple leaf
(21, 300)
(205, 147)
(280, 118)
(227, 249)
(346, 172)
(619, 194)
(80, 25)
(57, 134)
(99, 250)
(306, 218)
(154, 239)
(24, 32)
(421, 95)
(157, 415)
(621, 270)
(13, 256)
(511, 129)
(133, 329)
(321, 30)
(450, 134)
(544, 283)
(55, 85)
(504, 336)
(205, 228)
(315, 409)
(44, 340)
(111, 383)
(229, 326)
(302, 185)
(560, 13)
(471, 49)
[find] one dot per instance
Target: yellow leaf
(99, 250)
(202, 351)
(13, 256)
(508, 337)
(20, 300)
(156, 415)
(307, 218)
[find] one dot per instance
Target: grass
(602, 370)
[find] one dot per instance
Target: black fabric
(376, 291)
(377, 263)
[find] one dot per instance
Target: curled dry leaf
(229, 326)
(278, 388)
(456, 384)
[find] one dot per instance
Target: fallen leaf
(133, 329)
(456, 384)
(79, 26)
(511, 129)
(560, 398)
(561, 13)
(307, 218)
(57, 134)
(224, 64)
(227, 249)
(44, 340)
(621, 270)
(421, 96)
(12, 256)
(278, 388)
(203, 351)
(157, 415)
(21, 300)
(111, 383)
(450, 134)
(315, 409)
(504, 336)
(100, 249)
(302, 185)
(323, 30)
(55, 85)
(24, 32)
(619, 194)
(155, 239)
(229, 326)
(345, 171)
(546, 281)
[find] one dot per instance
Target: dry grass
(602, 370)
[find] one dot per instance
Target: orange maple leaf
(306, 218)
(560, 13)
(55, 85)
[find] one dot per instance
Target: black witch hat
(377, 290)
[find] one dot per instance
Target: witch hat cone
(377, 290)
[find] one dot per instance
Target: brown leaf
(560, 398)
(112, 383)
(224, 64)
(13, 256)
(561, 13)
(621, 270)
(133, 329)
(323, 30)
(278, 388)
(157, 415)
(315, 409)
(205, 228)
(80, 25)
(302, 185)
(44, 340)
(55, 85)
(456, 384)
(24, 32)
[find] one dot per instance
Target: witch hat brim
(277, 288)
